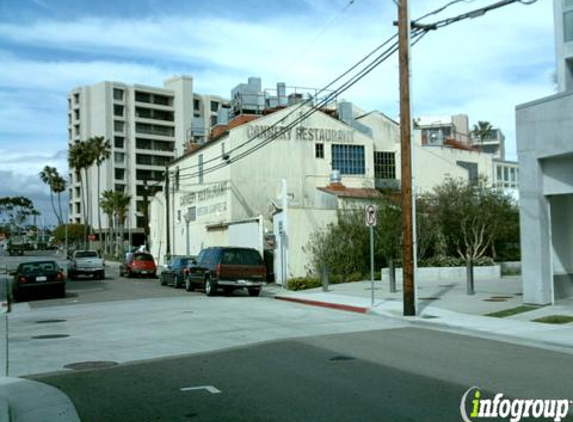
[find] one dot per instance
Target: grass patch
(555, 319)
(512, 311)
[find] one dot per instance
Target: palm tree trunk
(98, 208)
(61, 216)
(52, 201)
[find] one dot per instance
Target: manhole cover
(429, 298)
(495, 299)
(90, 365)
(50, 321)
(341, 358)
(50, 336)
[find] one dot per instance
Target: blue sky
(483, 67)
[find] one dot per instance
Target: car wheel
(188, 285)
(176, 282)
(254, 292)
(129, 274)
(162, 280)
(62, 291)
(210, 288)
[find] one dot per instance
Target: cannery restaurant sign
(300, 133)
(214, 191)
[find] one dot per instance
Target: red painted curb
(349, 308)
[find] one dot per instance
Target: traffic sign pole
(371, 222)
(372, 266)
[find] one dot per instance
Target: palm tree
(482, 130)
(47, 176)
(58, 186)
(106, 204)
(81, 157)
(116, 203)
(101, 149)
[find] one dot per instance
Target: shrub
(454, 261)
(303, 283)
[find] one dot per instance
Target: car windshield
(242, 257)
(34, 267)
(87, 254)
(143, 257)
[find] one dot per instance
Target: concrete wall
(545, 152)
(448, 273)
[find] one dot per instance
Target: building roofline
(544, 100)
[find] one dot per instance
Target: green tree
(118, 203)
(81, 157)
(75, 232)
(51, 177)
(470, 217)
(482, 130)
(101, 149)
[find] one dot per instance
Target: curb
(340, 307)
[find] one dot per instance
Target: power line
(417, 33)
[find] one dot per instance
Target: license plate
(41, 278)
(144, 272)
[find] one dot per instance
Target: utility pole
(146, 213)
(167, 219)
(406, 157)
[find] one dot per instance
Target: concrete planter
(448, 273)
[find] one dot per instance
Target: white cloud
(482, 67)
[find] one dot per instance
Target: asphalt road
(403, 374)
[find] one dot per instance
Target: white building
(147, 127)
(247, 188)
(545, 151)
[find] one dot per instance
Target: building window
(119, 142)
(76, 98)
(119, 174)
(214, 106)
(77, 114)
(318, 150)
(568, 26)
(472, 169)
(120, 188)
(119, 157)
(384, 165)
(118, 110)
(348, 159)
(118, 126)
(179, 216)
(192, 213)
(142, 97)
(200, 171)
(118, 94)
(196, 105)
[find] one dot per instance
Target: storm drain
(429, 316)
(501, 297)
(341, 358)
(102, 364)
(429, 298)
(50, 321)
(50, 336)
(495, 299)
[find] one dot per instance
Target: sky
(482, 67)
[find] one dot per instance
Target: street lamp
(187, 218)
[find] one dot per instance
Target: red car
(138, 263)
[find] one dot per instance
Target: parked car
(38, 276)
(138, 263)
(228, 268)
(175, 271)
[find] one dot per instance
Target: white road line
(209, 388)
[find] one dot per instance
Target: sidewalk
(447, 306)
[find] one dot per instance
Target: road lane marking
(209, 388)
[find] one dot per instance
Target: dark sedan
(175, 271)
(38, 276)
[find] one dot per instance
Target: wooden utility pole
(406, 158)
(167, 219)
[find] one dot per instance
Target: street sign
(370, 215)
